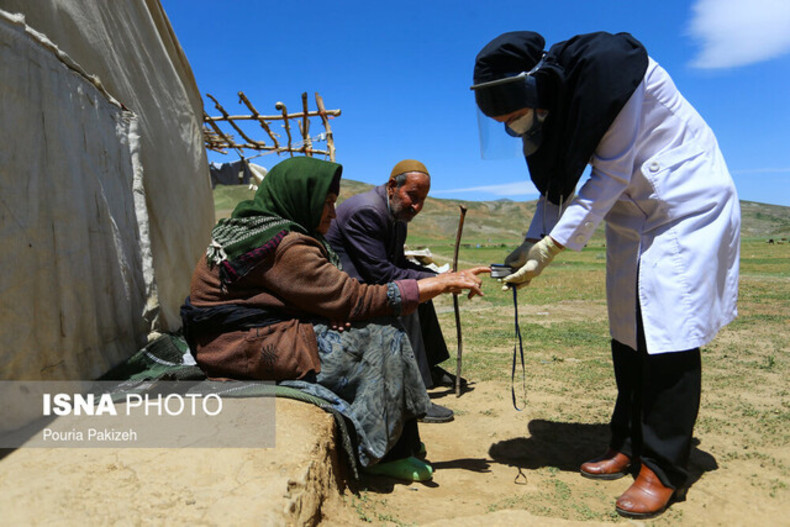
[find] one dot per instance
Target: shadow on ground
(565, 446)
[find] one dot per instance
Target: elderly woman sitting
(268, 301)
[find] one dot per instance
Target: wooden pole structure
(221, 141)
(455, 305)
(257, 116)
(330, 140)
(219, 107)
(278, 117)
(281, 106)
(218, 140)
(307, 146)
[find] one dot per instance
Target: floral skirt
(370, 375)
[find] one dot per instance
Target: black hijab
(584, 83)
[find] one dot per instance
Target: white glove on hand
(538, 257)
(519, 256)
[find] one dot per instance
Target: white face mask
(520, 126)
(529, 128)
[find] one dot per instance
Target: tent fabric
(167, 357)
(105, 195)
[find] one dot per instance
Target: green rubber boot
(408, 469)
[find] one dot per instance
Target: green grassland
(745, 414)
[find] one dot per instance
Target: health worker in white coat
(660, 183)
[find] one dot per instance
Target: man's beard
(399, 212)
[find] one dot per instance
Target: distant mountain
(503, 220)
(762, 220)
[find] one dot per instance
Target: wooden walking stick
(455, 305)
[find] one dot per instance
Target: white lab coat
(672, 215)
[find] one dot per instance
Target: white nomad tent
(105, 196)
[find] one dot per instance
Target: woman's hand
(450, 282)
(519, 256)
(538, 257)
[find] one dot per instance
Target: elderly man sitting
(368, 235)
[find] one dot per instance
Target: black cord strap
(517, 343)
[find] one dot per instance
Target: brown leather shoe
(611, 465)
(647, 496)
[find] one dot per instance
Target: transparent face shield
(494, 142)
(506, 96)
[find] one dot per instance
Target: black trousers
(408, 443)
(425, 336)
(658, 399)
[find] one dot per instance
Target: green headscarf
(290, 198)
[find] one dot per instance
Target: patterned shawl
(290, 199)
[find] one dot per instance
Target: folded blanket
(167, 358)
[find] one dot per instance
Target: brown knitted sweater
(298, 280)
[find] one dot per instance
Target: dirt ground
(489, 463)
(493, 465)
(491, 460)
(286, 485)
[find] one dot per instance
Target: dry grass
(745, 413)
(743, 430)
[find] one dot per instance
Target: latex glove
(519, 256)
(538, 257)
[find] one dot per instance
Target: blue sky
(400, 73)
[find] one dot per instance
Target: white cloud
(740, 32)
(507, 190)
